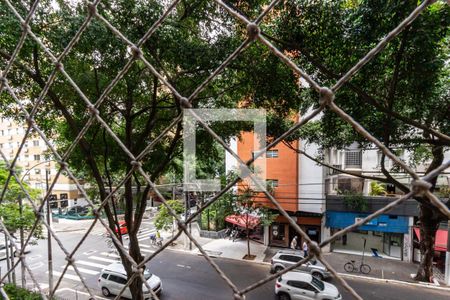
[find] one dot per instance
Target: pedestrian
(158, 235)
(294, 243)
(305, 249)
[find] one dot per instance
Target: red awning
(243, 220)
(440, 241)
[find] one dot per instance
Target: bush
(18, 293)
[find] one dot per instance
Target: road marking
(34, 257)
(88, 263)
(181, 266)
(83, 270)
(66, 276)
(148, 251)
(145, 250)
(146, 231)
(89, 252)
(145, 246)
(103, 259)
(110, 254)
(36, 265)
(78, 293)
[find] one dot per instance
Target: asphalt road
(187, 276)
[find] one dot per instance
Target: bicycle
(351, 267)
(156, 241)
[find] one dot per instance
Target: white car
(296, 286)
(113, 277)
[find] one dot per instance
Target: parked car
(113, 278)
(122, 227)
(303, 286)
(286, 258)
(77, 210)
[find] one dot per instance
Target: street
(184, 275)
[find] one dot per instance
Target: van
(113, 278)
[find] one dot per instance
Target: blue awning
(382, 223)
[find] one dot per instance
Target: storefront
(440, 246)
(281, 232)
(382, 236)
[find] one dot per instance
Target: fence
(421, 185)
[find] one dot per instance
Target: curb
(423, 285)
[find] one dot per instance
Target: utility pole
(49, 238)
(447, 257)
(22, 265)
(186, 211)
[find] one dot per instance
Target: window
(353, 159)
(35, 143)
(9, 131)
(290, 258)
(318, 283)
(272, 154)
(37, 171)
(117, 279)
(105, 275)
(37, 157)
(27, 157)
(1, 146)
(2, 132)
(272, 183)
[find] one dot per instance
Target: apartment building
(350, 198)
(295, 182)
(37, 167)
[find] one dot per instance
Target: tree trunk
(429, 218)
(135, 252)
(428, 228)
(248, 237)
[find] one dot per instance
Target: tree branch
(364, 96)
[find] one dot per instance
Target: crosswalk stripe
(110, 254)
(88, 263)
(148, 251)
(66, 276)
(145, 246)
(146, 231)
(83, 270)
(145, 250)
(102, 259)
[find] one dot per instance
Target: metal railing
(326, 97)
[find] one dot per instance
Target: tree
(137, 109)
(164, 220)
(10, 211)
(404, 89)
(248, 209)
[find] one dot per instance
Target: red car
(122, 227)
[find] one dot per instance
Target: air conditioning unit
(10, 137)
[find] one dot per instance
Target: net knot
(420, 186)
(184, 102)
(252, 31)
(326, 96)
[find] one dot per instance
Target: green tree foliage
(376, 189)
(9, 207)
(213, 218)
(397, 96)
(164, 219)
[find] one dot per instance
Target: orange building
(282, 174)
